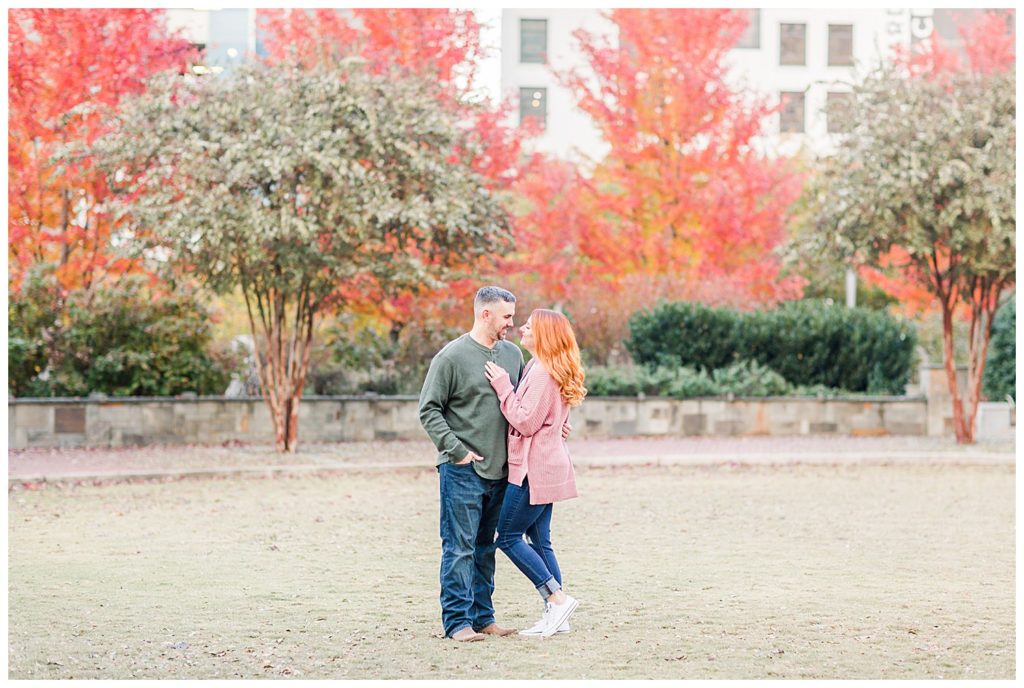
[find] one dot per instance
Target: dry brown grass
(682, 572)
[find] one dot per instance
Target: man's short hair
(488, 295)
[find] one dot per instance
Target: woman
(539, 469)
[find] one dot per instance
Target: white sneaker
(538, 627)
(557, 614)
(535, 629)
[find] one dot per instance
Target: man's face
(498, 317)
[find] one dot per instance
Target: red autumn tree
(443, 44)
(683, 198)
(66, 69)
(545, 262)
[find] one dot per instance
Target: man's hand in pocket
(470, 457)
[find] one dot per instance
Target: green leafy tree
(301, 187)
(925, 182)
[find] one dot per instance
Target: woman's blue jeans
(536, 559)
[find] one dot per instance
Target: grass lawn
(880, 571)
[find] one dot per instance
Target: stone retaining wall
(213, 420)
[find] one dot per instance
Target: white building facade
(805, 58)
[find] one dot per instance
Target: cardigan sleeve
(527, 409)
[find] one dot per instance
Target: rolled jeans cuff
(548, 588)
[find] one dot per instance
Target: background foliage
(126, 339)
(1001, 369)
(806, 342)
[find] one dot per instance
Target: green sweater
(459, 409)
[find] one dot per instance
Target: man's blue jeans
(470, 506)
(536, 559)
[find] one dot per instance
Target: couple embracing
(500, 428)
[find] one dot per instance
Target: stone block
(40, 438)
(903, 428)
(69, 420)
(694, 423)
(159, 420)
(653, 417)
(822, 428)
(728, 427)
(35, 416)
(784, 427)
(868, 432)
(623, 428)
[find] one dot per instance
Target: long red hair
(558, 351)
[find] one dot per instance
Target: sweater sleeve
(433, 399)
(526, 412)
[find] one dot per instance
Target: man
(461, 413)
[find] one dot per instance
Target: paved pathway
(35, 465)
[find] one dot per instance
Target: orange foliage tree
(66, 69)
(683, 202)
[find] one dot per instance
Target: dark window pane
(837, 105)
(792, 44)
(751, 36)
(533, 40)
(792, 116)
(840, 44)
(533, 102)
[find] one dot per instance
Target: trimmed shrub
(627, 381)
(683, 333)
(806, 342)
(742, 379)
(750, 379)
(689, 383)
(1001, 364)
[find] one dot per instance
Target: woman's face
(526, 333)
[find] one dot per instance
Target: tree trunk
(284, 364)
(985, 301)
(65, 222)
(960, 428)
(299, 366)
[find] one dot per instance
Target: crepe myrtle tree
(923, 185)
(299, 187)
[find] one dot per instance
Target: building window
(533, 40)
(751, 36)
(533, 102)
(792, 44)
(791, 119)
(837, 105)
(840, 45)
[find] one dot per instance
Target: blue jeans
(470, 506)
(536, 559)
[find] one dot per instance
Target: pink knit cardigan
(535, 414)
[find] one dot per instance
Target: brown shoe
(495, 629)
(467, 635)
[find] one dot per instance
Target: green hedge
(122, 341)
(746, 379)
(1001, 364)
(808, 343)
